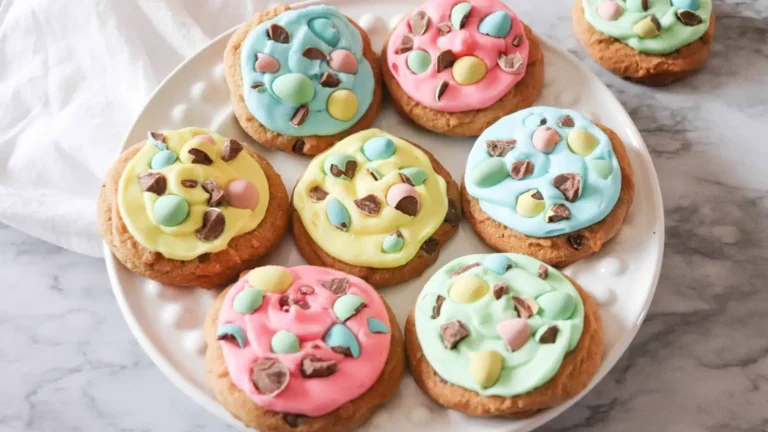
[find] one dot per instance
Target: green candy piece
(171, 210)
(601, 167)
(340, 160)
(346, 306)
(489, 172)
(556, 305)
(294, 88)
(419, 61)
(496, 24)
(162, 159)
(393, 243)
(459, 14)
(232, 332)
(248, 300)
(413, 175)
(284, 342)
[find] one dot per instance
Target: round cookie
(456, 68)
(375, 206)
(653, 42)
(301, 80)
(548, 183)
(503, 335)
(302, 349)
(191, 208)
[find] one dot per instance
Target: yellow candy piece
(270, 279)
(530, 204)
(485, 367)
(468, 70)
(582, 142)
(468, 289)
(342, 105)
(649, 27)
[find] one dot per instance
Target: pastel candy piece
(545, 139)
(600, 167)
(157, 140)
(342, 105)
(347, 306)
(339, 336)
(514, 332)
(201, 149)
(498, 263)
(232, 332)
(266, 63)
(402, 196)
(343, 61)
(324, 30)
(413, 176)
(468, 70)
(581, 142)
(687, 4)
(647, 28)
(242, 194)
(170, 210)
(419, 61)
(294, 88)
(496, 24)
(338, 215)
(248, 300)
(489, 173)
(162, 159)
(376, 326)
(467, 289)
(270, 279)
(393, 243)
(530, 204)
(342, 162)
(459, 14)
(556, 305)
(609, 10)
(284, 342)
(378, 148)
(485, 367)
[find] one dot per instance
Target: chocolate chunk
(313, 53)
(522, 307)
(444, 28)
(216, 194)
(406, 44)
(368, 204)
(306, 290)
(300, 116)
(512, 63)
(550, 335)
(566, 121)
(153, 182)
(231, 149)
(374, 174)
(644, 5)
(285, 303)
(419, 22)
(499, 148)
(278, 33)
(337, 286)
(314, 367)
(200, 157)
(438, 305)
(257, 86)
(453, 332)
(520, 169)
(499, 290)
(189, 184)
(349, 170)
(441, 88)
(408, 205)
(298, 146)
(317, 194)
(429, 246)
(345, 351)
(269, 376)
(543, 271)
(328, 79)
(569, 185)
(576, 240)
(213, 225)
(557, 213)
(453, 215)
(464, 269)
(689, 18)
(445, 60)
(158, 136)
(537, 196)
(517, 40)
(293, 420)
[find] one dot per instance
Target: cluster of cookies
(315, 347)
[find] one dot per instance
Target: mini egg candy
(170, 210)
(346, 306)
(284, 342)
(496, 24)
(647, 28)
(556, 305)
(687, 4)
(467, 289)
(343, 61)
(338, 215)
(393, 242)
(157, 139)
(162, 159)
(324, 30)
(341, 340)
(233, 333)
(342, 105)
(514, 332)
(485, 367)
(609, 10)
(581, 142)
(270, 278)
(376, 326)
(418, 61)
(404, 198)
(460, 14)
(489, 172)
(340, 165)
(378, 148)
(413, 176)
(468, 70)
(242, 194)
(248, 300)
(545, 139)
(498, 263)
(530, 204)
(294, 88)
(601, 167)
(266, 64)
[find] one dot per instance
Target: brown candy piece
(441, 88)
(517, 40)
(543, 271)
(349, 170)
(298, 146)
(429, 246)
(689, 18)
(522, 307)
(278, 33)
(293, 420)
(550, 335)
(231, 149)
(317, 194)
(328, 79)
(269, 376)
(374, 174)
(158, 136)
(257, 86)
(419, 22)
(444, 28)
(521, 169)
(314, 367)
(499, 148)
(153, 182)
(557, 213)
(189, 184)
(569, 185)
(445, 60)
(337, 286)
(499, 290)
(345, 351)
(453, 332)
(368, 204)
(406, 44)
(512, 63)
(216, 194)
(200, 157)
(464, 269)
(408, 205)
(213, 225)
(453, 215)
(566, 121)
(644, 5)
(576, 241)
(300, 116)
(313, 53)
(438, 305)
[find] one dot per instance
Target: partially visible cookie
(503, 335)
(548, 183)
(375, 206)
(304, 349)
(301, 80)
(191, 207)
(653, 42)
(455, 68)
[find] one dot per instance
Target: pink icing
(307, 396)
(609, 10)
(265, 63)
(242, 194)
(515, 332)
(464, 42)
(343, 61)
(400, 191)
(545, 138)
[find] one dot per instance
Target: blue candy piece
(232, 333)
(338, 215)
(496, 24)
(324, 30)
(151, 137)
(376, 326)
(687, 4)
(339, 336)
(162, 159)
(378, 148)
(498, 263)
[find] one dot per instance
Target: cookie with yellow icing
(375, 206)
(191, 207)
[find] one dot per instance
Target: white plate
(167, 321)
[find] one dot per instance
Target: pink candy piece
(515, 332)
(399, 191)
(343, 61)
(242, 194)
(609, 10)
(545, 138)
(265, 63)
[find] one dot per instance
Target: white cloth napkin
(73, 76)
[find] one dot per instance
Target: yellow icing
(180, 242)
(270, 279)
(361, 245)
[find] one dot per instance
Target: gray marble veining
(699, 363)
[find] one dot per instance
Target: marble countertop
(699, 362)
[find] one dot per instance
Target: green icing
(674, 35)
(523, 370)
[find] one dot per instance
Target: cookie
(548, 183)
(191, 208)
(653, 42)
(301, 80)
(302, 349)
(503, 335)
(375, 206)
(456, 68)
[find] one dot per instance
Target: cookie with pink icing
(302, 345)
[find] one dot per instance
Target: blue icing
(598, 195)
(274, 113)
